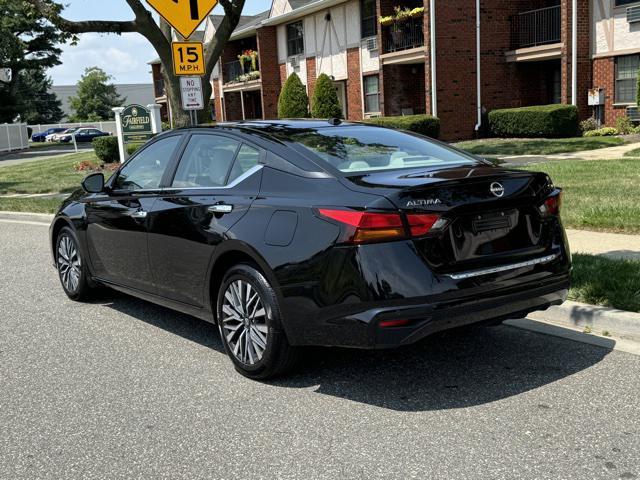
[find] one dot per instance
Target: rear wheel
(250, 325)
(71, 266)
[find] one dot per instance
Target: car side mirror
(93, 183)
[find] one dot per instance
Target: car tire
(72, 269)
(249, 321)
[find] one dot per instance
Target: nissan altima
(293, 233)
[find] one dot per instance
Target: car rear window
(354, 149)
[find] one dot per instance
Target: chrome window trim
(503, 268)
(236, 182)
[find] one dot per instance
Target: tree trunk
(179, 116)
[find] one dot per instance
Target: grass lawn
(536, 146)
(31, 205)
(53, 175)
(599, 194)
(633, 153)
(603, 281)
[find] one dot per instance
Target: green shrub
(325, 102)
(636, 129)
(602, 132)
(134, 147)
(166, 126)
(638, 94)
(106, 149)
(423, 124)
(533, 122)
(588, 124)
(293, 101)
(624, 125)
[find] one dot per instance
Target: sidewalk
(611, 245)
(611, 153)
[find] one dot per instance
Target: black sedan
(83, 135)
(295, 233)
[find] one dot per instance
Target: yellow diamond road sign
(184, 15)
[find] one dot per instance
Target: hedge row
(423, 124)
(538, 121)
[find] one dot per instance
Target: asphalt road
(120, 388)
(41, 152)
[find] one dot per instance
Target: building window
(627, 78)
(371, 94)
(622, 3)
(369, 22)
(295, 39)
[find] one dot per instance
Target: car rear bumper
(363, 329)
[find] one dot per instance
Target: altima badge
(424, 202)
(497, 189)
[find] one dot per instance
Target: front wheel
(71, 266)
(250, 325)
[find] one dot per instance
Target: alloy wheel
(244, 322)
(69, 263)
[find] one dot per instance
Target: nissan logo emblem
(497, 189)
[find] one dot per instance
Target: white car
(55, 137)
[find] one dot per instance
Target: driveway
(40, 153)
(120, 388)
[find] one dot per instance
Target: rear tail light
(552, 205)
(369, 227)
(394, 323)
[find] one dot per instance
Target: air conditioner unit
(633, 14)
(294, 62)
(633, 113)
(372, 43)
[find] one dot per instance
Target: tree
(36, 103)
(293, 101)
(325, 102)
(29, 42)
(96, 97)
(159, 35)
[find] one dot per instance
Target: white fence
(109, 127)
(13, 136)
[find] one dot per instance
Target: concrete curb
(600, 319)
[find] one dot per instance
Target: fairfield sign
(136, 124)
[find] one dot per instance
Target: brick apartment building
(524, 49)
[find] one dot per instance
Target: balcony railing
(403, 35)
(235, 72)
(536, 27)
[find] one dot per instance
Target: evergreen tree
(293, 101)
(95, 97)
(325, 102)
(37, 103)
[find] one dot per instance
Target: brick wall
(233, 106)
(269, 71)
(584, 59)
(218, 100)
(604, 77)
(354, 85)
(311, 76)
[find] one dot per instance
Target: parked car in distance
(41, 137)
(55, 137)
(310, 232)
(83, 135)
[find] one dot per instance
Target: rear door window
(206, 162)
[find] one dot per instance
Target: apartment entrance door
(341, 90)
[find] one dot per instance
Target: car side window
(145, 171)
(206, 162)
(248, 157)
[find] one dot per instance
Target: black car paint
(330, 294)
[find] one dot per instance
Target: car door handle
(138, 214)
(221, 208)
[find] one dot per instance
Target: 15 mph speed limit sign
(188, 58)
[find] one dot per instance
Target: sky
(124, 57)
